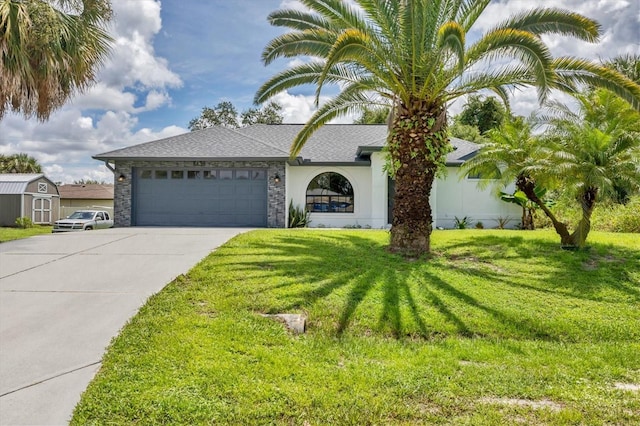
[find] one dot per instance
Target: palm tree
(596, 153)
(511, 154)
(20, 163)
(49, 50)
(628, 65)
(413, 55)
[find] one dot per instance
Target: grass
(8, 234)
(498, 327)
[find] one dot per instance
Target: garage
(200, 197)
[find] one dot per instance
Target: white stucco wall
(298, 178)
(460, 197)
(451, 197)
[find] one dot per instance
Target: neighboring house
(85, 196)
(244, 177)
(28, 195)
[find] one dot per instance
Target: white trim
(42, 210)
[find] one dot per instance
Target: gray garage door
(190, 197)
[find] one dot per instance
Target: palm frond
(297, 20)
(350, 99)
(572, 72)
(523, 46)
(451, 36)
(315, 43)
(554, 21)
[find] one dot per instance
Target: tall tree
(465, 131)
(373, 115)
(414, 54)
(485, 114)
(19, 163)
(596, 152)
(225, 114)
(49, 50)
(268, 114)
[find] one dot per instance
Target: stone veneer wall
(276, 196)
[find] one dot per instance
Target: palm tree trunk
(527, 185)
(588, 203)
(417, 145)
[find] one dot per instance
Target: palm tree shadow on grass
(372, 291)
(603, 266)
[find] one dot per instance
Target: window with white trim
(330, 192)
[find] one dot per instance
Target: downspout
(106, 163)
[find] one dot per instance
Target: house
(28, 195)
(244, 177)
(85, 196)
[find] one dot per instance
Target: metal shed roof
(16, 183)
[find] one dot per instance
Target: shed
(85, 196)
(28, 195)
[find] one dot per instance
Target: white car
(84, 220)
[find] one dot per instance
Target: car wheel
(88, 228)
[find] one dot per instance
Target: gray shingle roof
(334, 143)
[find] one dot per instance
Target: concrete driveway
(63, 297)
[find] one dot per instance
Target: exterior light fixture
(122, 177)
(276, 178)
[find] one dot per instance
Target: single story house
(28, 195)
(85, 196)
(244, 177)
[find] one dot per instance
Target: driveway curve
(63, 297)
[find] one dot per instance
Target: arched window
(330, 193)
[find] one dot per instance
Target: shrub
(462, 223)
(607, 216)
(503, 222)
(24, 222)
(298, 216)
(618, 217)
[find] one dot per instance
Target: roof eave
(199, 159)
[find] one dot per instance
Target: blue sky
(173, 57)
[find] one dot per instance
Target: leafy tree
(379, 115)
(49, 50)
(485, 114)
(271, 113)
(414, 54)
(89, 182)
(19, 163)
(226, 115)
(466, 132)
(596, 150)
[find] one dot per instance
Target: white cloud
(134, 79)
(156, 99)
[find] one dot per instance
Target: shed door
(213, 197)
(41, 210)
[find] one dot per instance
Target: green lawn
(498, 327)
(8, 234)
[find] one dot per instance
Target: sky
(171, 58)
